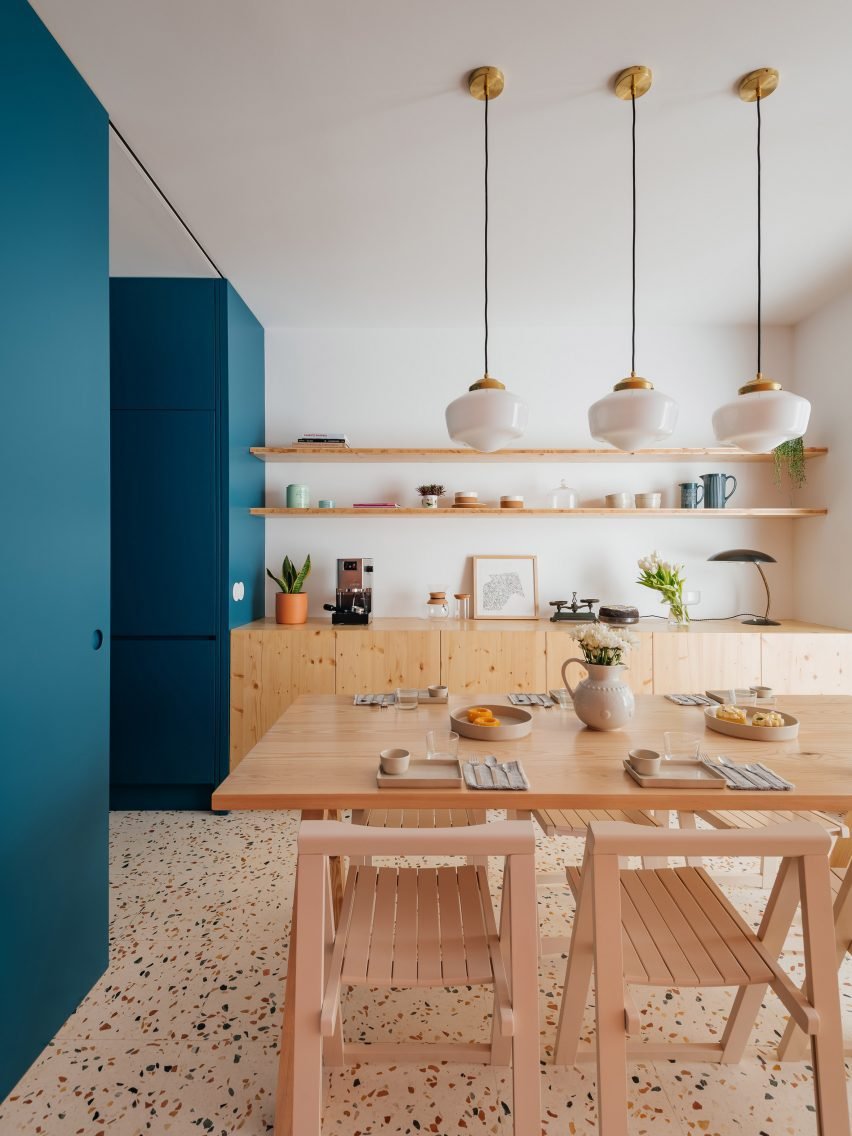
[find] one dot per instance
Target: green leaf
(303, 575)
(279, 582)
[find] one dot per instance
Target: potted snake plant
(291, 603)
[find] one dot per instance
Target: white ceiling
(329, 158)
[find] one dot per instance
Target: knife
(483, 781)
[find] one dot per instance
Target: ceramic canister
(298, 497)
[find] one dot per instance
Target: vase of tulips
(667, 579)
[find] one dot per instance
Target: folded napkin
(755, 776)
(523, 699)
(492, 774)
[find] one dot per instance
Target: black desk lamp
(749, 556)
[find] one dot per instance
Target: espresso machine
(354, 597)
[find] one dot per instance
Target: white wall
(823, 553)
(389, 387)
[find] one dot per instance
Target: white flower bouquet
(668, 580)
(601, 645)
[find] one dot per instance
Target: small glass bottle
(437, 606)
(462, 605)
(563, 496)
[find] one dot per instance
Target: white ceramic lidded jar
(603, 701)
(563, 496)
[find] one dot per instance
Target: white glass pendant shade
(758, 421)
(633, 419)
(487, 420)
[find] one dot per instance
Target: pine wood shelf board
(492, 512)
(347, 454)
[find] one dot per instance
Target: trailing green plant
(789, 458)
(430, 490)
(290, 581)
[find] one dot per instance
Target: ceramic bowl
(619, 500)
(394, 760)
(437, 691)
(648, 500)
(514, 723)
(645, 761)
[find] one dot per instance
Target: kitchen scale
(573, 614)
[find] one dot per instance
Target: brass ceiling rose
(486, 83)
(487, 383)
(634, 382)
(758, 84)
(634, 82)
(759, 383)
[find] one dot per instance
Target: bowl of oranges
(491, 723)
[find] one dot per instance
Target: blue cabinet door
(54, 561)
(163, 712)
(165, 550)
(163, 351)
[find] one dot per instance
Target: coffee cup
(394, 760)
(645, 761)
(437, 691)
(689, 494)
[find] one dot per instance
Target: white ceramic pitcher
(603, 701)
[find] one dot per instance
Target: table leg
(284, 1086)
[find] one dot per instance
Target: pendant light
(488, 416)
(763, 415)
(634, 415)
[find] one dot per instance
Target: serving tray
(784, 733)
(679, 775)
(515, 723)
(440, 773)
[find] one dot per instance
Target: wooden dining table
(322, 757)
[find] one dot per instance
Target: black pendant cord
(486, 226)
(633, 268)
(759, 243)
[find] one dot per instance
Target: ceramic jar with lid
(437, 606)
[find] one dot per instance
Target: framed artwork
(505, 587)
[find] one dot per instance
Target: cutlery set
(520, 699)
(754, 776)
(493, 774)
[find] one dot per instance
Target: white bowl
(394, 760)
(648, 500)
(514, 723)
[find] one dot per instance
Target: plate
(679, 775)
(515, 723)
(784, 733)
(440, 773)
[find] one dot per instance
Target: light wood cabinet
(374, 661)
(688, 663)
(807, 664)
(272, 665)
(480, 662)
(268, 671)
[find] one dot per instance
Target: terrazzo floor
(180, 1035)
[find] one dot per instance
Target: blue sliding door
(54, 562)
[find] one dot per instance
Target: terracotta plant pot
(291, 608)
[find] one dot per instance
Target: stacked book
(335, 439)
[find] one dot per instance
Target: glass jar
(563, 497)
(437, 606)
(462, 605)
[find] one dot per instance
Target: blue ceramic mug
(715, 486)
(689, 494)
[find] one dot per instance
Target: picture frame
(505, 587)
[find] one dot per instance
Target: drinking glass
(441, 745)
(562, 699)
(679, 746)
(406, 699)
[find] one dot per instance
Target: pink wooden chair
(421, 818)
(415, 927)
(673, 927)
(726, 819)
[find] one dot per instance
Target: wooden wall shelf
(648, 514)
(345, 454)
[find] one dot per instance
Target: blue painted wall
(54, 565)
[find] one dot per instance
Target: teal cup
(298, 497)
(689, 494)
(326, 504)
